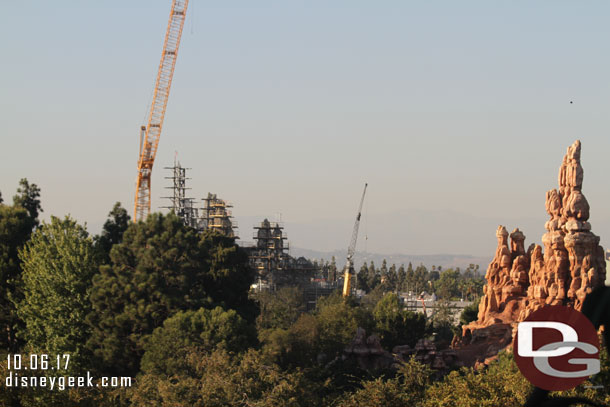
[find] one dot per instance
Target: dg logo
(556, 348)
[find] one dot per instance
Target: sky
(457, 114)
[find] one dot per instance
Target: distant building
(218, 217)
(270, 259)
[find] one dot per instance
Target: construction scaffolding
(181, 205)
(218, 217)
(268, 254)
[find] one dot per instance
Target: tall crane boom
(150, 134)
(351, 250)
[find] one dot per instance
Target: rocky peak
(571, 265)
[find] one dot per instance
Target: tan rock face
(571, 265)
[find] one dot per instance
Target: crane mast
(351, 250)
(150, 134)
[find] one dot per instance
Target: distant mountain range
(444, 260)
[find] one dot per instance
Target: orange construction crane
(150, 134)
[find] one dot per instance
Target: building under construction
(269, 257)
(218, 217)
(269, 251)
(182, 205)
(215, 214)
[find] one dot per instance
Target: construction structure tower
(150, 134)
(180, 203)
(218, 217)
(269, 252)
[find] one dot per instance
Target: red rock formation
(573, 262)
(507, 281)
(572, 265)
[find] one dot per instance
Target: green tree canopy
(397, 326)
(161, 267)
(470, 313)
(15, 230)
(112, 232)
(58, 264)
(317, 337)
(28, 197)
(221, 380)
(279, 309)
(203, 329)
(408, 388)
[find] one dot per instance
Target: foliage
(226, 276)
(396, 326)
(15, 229)
(442, 324)
(16, 225)
(470, 313)
(28, 197)
(58, 264)
(222, 380)
(112, 232)
(202, 329)
(337, 321)
(361, 278)
(406, 389)
(318, 337)
(500, 384)
(161, 267)
(279, 309)
(447, 284)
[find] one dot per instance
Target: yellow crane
(150, 134)
(351, 250)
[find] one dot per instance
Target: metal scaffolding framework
(269, 252)
(218, 217)
(181, 205)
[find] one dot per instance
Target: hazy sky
(457, 113)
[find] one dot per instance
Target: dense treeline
(447, 284)
(171, 308)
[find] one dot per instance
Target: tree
(442, 323)
(410, 279)
(15, 230)
(500, 384)
(391, 278)
(401, 279)
(383, 272)
(58, 264)
(279, 309)
(162, 267)
(470, 313)
(447, 286)
(372, 279)
(204, 330)
(112, 232)
(408, 388)
(337, 321)
(227, 275)
(397, 326)
(332, 270)
(361, 278)
(28, 197)
(219, 379)
(317, 337)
